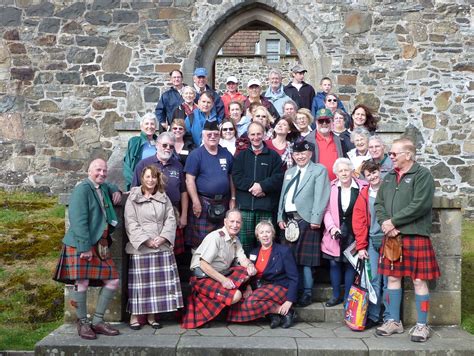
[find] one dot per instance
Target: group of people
(260, 189)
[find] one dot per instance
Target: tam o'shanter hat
(303, 146)
(211, 125)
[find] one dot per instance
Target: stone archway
(236, 19)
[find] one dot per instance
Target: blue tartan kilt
(307, 249)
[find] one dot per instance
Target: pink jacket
(329, 245)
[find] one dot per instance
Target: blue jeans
(305, 279)
(378, 281)
(335, 272)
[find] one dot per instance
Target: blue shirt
(148, 150)
(211, 171)
(199, 120)
(173, 170)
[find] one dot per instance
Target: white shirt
(289, 206)
(346, 194)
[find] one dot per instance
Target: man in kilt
(208, 181)
(304, 196)
(215, 283)
(403, 208)
(85, 258)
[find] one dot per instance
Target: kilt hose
(179, 241)
(153, 284)
(418, 260)
(71, 268)
(307, 249)
(208, 298)
(250, 219)
(198, 228)
(258, 304)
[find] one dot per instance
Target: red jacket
(361, 219)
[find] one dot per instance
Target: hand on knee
(237, 297)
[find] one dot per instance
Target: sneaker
(420, 333)
(390, 327)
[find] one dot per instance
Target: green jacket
(87, 221)
(407, 203)
(133, 156)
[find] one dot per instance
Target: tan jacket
(147, 218)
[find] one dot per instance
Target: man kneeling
(215, 283)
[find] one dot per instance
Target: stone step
(318, 312)
(329, 338)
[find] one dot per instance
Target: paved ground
(329, 338)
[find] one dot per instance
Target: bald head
(97, 171)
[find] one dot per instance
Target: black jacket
(266, 169)
(303, 97)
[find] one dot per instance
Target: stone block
(104, 103)
(47, 40)
(418, 31)
(125, 16)
(464, 67)
(99, 18)
(429, 120)
(368, 99)
(68, 77)
(17, 48)
(442, 101)
(151, 94)
(450, 267)
(11, 35)
(92, 41)
(113, 77)
(116, 58)
(445, 308)
(134, 98)
(10, 16)
(7, 102)
(311, 313)
(449, 149)
(56, 138)
(409, 51)
(346, 79)
(441, 171)
(49, 25)
(165, 68)
(179, 31)
(22, 73)
(43, 9)
(66, 164)
(76, 55)
(467, 174)
(107, 124)
(87, 134)
(48, 106)
(72, 12)
(173, 13)
(105, 4)
(90, 80)
(11, 126)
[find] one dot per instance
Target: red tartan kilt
(257, 305)
(418, 260)
(179, 242)
(208, 298)
(71, 268)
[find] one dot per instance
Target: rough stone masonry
(70, 70)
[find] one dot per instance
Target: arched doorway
(254, 13)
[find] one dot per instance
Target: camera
(337, 235)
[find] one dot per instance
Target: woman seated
(153, 280)
(284, 135)
(338, 234)
(140, 147)
(228, 132)
(360, 153)
(184, 143)
(274, 289)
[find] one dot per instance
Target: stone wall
(70, 70)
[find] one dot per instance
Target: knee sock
(422, 306)
(392, 300)
(80, 299)
(105, 296)
(335, 274)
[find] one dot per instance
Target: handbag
(216, 212)
(292, 230)
(392, 249)
(357, 303)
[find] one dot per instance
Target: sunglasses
(212, 134)
(331, 100)
(167, 145)
(178, 128)
(227, 129)
(324, 121)
(395, 154)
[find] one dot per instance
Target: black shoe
(333, 301)
(275, 320)
(288, 319)
(369, 324)
(305, 300)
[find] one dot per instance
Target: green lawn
(468, 276)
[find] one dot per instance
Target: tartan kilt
(199, 228)
(208, 298)
(418, 260)
(71, 268)
(250, 219)
(259, 304)
(307, 249)
(153, 284)
(179, 242)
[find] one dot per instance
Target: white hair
(148, 116)
(360, 131)
(342, 160)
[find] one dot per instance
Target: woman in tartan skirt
(153, 280)
(275, 287)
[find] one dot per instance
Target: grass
(31, 229)
(467, 301)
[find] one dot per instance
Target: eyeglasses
(212, 134)
(324, 121)
(227, 129)
(178, 128)
(395, 154)
(331, 100)
(167, 145)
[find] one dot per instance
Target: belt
(214, 197)
(294, 215)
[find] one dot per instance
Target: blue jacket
(167, 104)
(195, 127)
(281, 269)
(277, 99)
(218, 103)
(318, 103)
